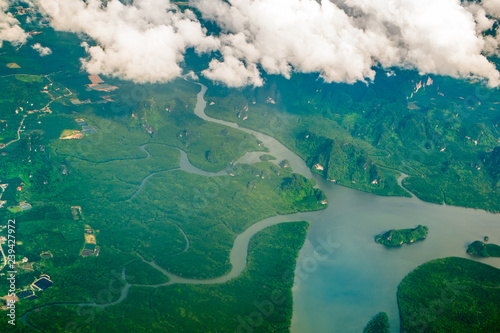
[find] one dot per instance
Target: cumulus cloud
(144, 42)
(43, 51)
(342, 40)
(484, 16)
(492, 7)
(233, 72)
(10, 30)
(192, 76)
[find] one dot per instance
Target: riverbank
(239, 254)
(340, 284)
(359, 278)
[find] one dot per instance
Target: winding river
(343, 278)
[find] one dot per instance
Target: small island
(267, 157)
(481, 249)
(395, 237)
(378, 324)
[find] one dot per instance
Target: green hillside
(450, 295)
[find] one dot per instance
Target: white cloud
(233, 72)
(10, 30)
(144, 42)
(192, 76)
(43, 51)
(492, 7)
(344, 39)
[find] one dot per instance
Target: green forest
(128, 184)
(443, 135)
(398, 237)
(260, 299)
(482, 249)
(159, 187)
(450, 295)
(378, 324)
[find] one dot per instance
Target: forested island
(481, 249)
(397, 237)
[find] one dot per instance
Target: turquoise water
(359, 278)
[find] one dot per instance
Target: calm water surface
(359, 278)
(343, 278)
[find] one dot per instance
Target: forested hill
(440, 131)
